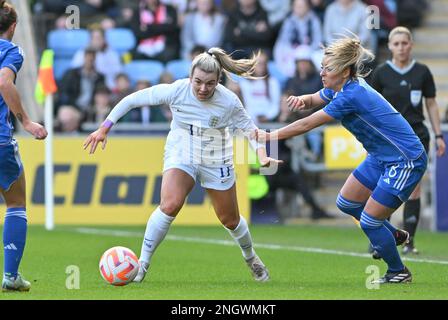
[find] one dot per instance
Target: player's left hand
(94, 138)
(267, 161)
(441, 147)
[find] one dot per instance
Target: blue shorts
(10, 164)
(391, 182)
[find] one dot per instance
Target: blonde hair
(216, 60)
(349, 53)
(400, 30)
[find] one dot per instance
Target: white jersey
(201, 131)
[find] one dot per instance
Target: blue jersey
(11, 56)
(381, 129)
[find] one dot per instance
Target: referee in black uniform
(404, 83)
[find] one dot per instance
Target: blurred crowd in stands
(289, 33)
(167, 34)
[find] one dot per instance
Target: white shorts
(216, 178)
(189, 154)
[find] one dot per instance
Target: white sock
(156, 230)
(242, 236)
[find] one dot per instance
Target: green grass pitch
(201, 263)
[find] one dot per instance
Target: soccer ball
(118, 266)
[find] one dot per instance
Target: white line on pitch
(118, 233)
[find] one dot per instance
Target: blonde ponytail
(217, 60)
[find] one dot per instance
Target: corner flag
(45, 82)
(45, 87)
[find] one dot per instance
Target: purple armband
(107, 124)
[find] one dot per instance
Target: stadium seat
(66, 42)
(61, 65)
(144, 70)
(121, 40)
(179, 69)
(275, 72)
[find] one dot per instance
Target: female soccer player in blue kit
(409, 86)
(396, 158)
(12, 177)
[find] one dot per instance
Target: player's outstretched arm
(136, 99)
(11, 97)
(304, 102)
(296, 128)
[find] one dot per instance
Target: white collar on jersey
(401, 70)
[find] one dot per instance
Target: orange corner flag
(45, 82)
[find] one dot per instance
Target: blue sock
(14, 238)
(382, 240)
(355, 209)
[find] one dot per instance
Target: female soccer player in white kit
(198, 145)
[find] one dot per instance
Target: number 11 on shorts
(223, 170)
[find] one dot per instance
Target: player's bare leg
(355, 190)
(226, 208)
(176, 185)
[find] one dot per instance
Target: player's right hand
(261, 136)
(94, 138)
(295, 103)
(37, 130)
